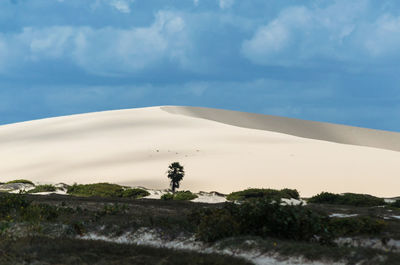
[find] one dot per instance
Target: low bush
(356, 226)
(216, 225)
(23, 181)
(97, 189)
(43, 188)
(135, 193)
(39, 213)
(347, 199)
(395, 204)
(167, 197)
(263, 193)
(262, 217)
(11, 204)
(184, 196)
(106, 190)
(179, 196)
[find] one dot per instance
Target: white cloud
(107, 51)
(121, 5)
(224, 4)
(340, 31)
(196, 2)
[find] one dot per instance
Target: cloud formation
(341, 32)
(105, 50)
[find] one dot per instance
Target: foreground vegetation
(43, 250)
(256, 216)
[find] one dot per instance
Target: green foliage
(347, 199)
(135, 193)
(17, 207)
(106, 190)
(10, 204)
(43, 188)
(167, 197)
(263, 217)
(217, 224)
(39, 213)
(23, 181)
(263, 193)
(184, 196)
(179, 196)
(97, 189)
(114, 209)
(176, 174)
(356, 226)
(395, 204)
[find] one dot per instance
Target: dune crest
(221, 150)
(302, 128)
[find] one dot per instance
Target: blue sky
(334, 61)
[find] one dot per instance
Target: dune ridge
(302, 128)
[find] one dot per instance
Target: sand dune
(221, 150)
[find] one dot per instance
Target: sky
(333, 61)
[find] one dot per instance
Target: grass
(43, 188)
(263, 193)
(23, 181)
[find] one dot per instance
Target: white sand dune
(221, 151)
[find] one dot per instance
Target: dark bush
(347, 199)
(184, 196)
(135, 193)
(23, 181)
(12, 204)
(356, 226)
(396, 204)
(167, 197)
(263, 193)
(264, 217)
(98, 189)
(43, 188)
(216, 225)
(39, 213)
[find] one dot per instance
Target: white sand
(230, 151)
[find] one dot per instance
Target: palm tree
(176, 174)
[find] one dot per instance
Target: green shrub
(39, 213)
(12, 204)
(347, 199)
(184, 196)
(135, 193)
(356, 226)
(263, 217)
(97, 189)
(23, 181)
(216, 225)
(263, 193)
(396, 204)
(43, 188)
(167, 197)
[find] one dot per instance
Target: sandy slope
(221, 150)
